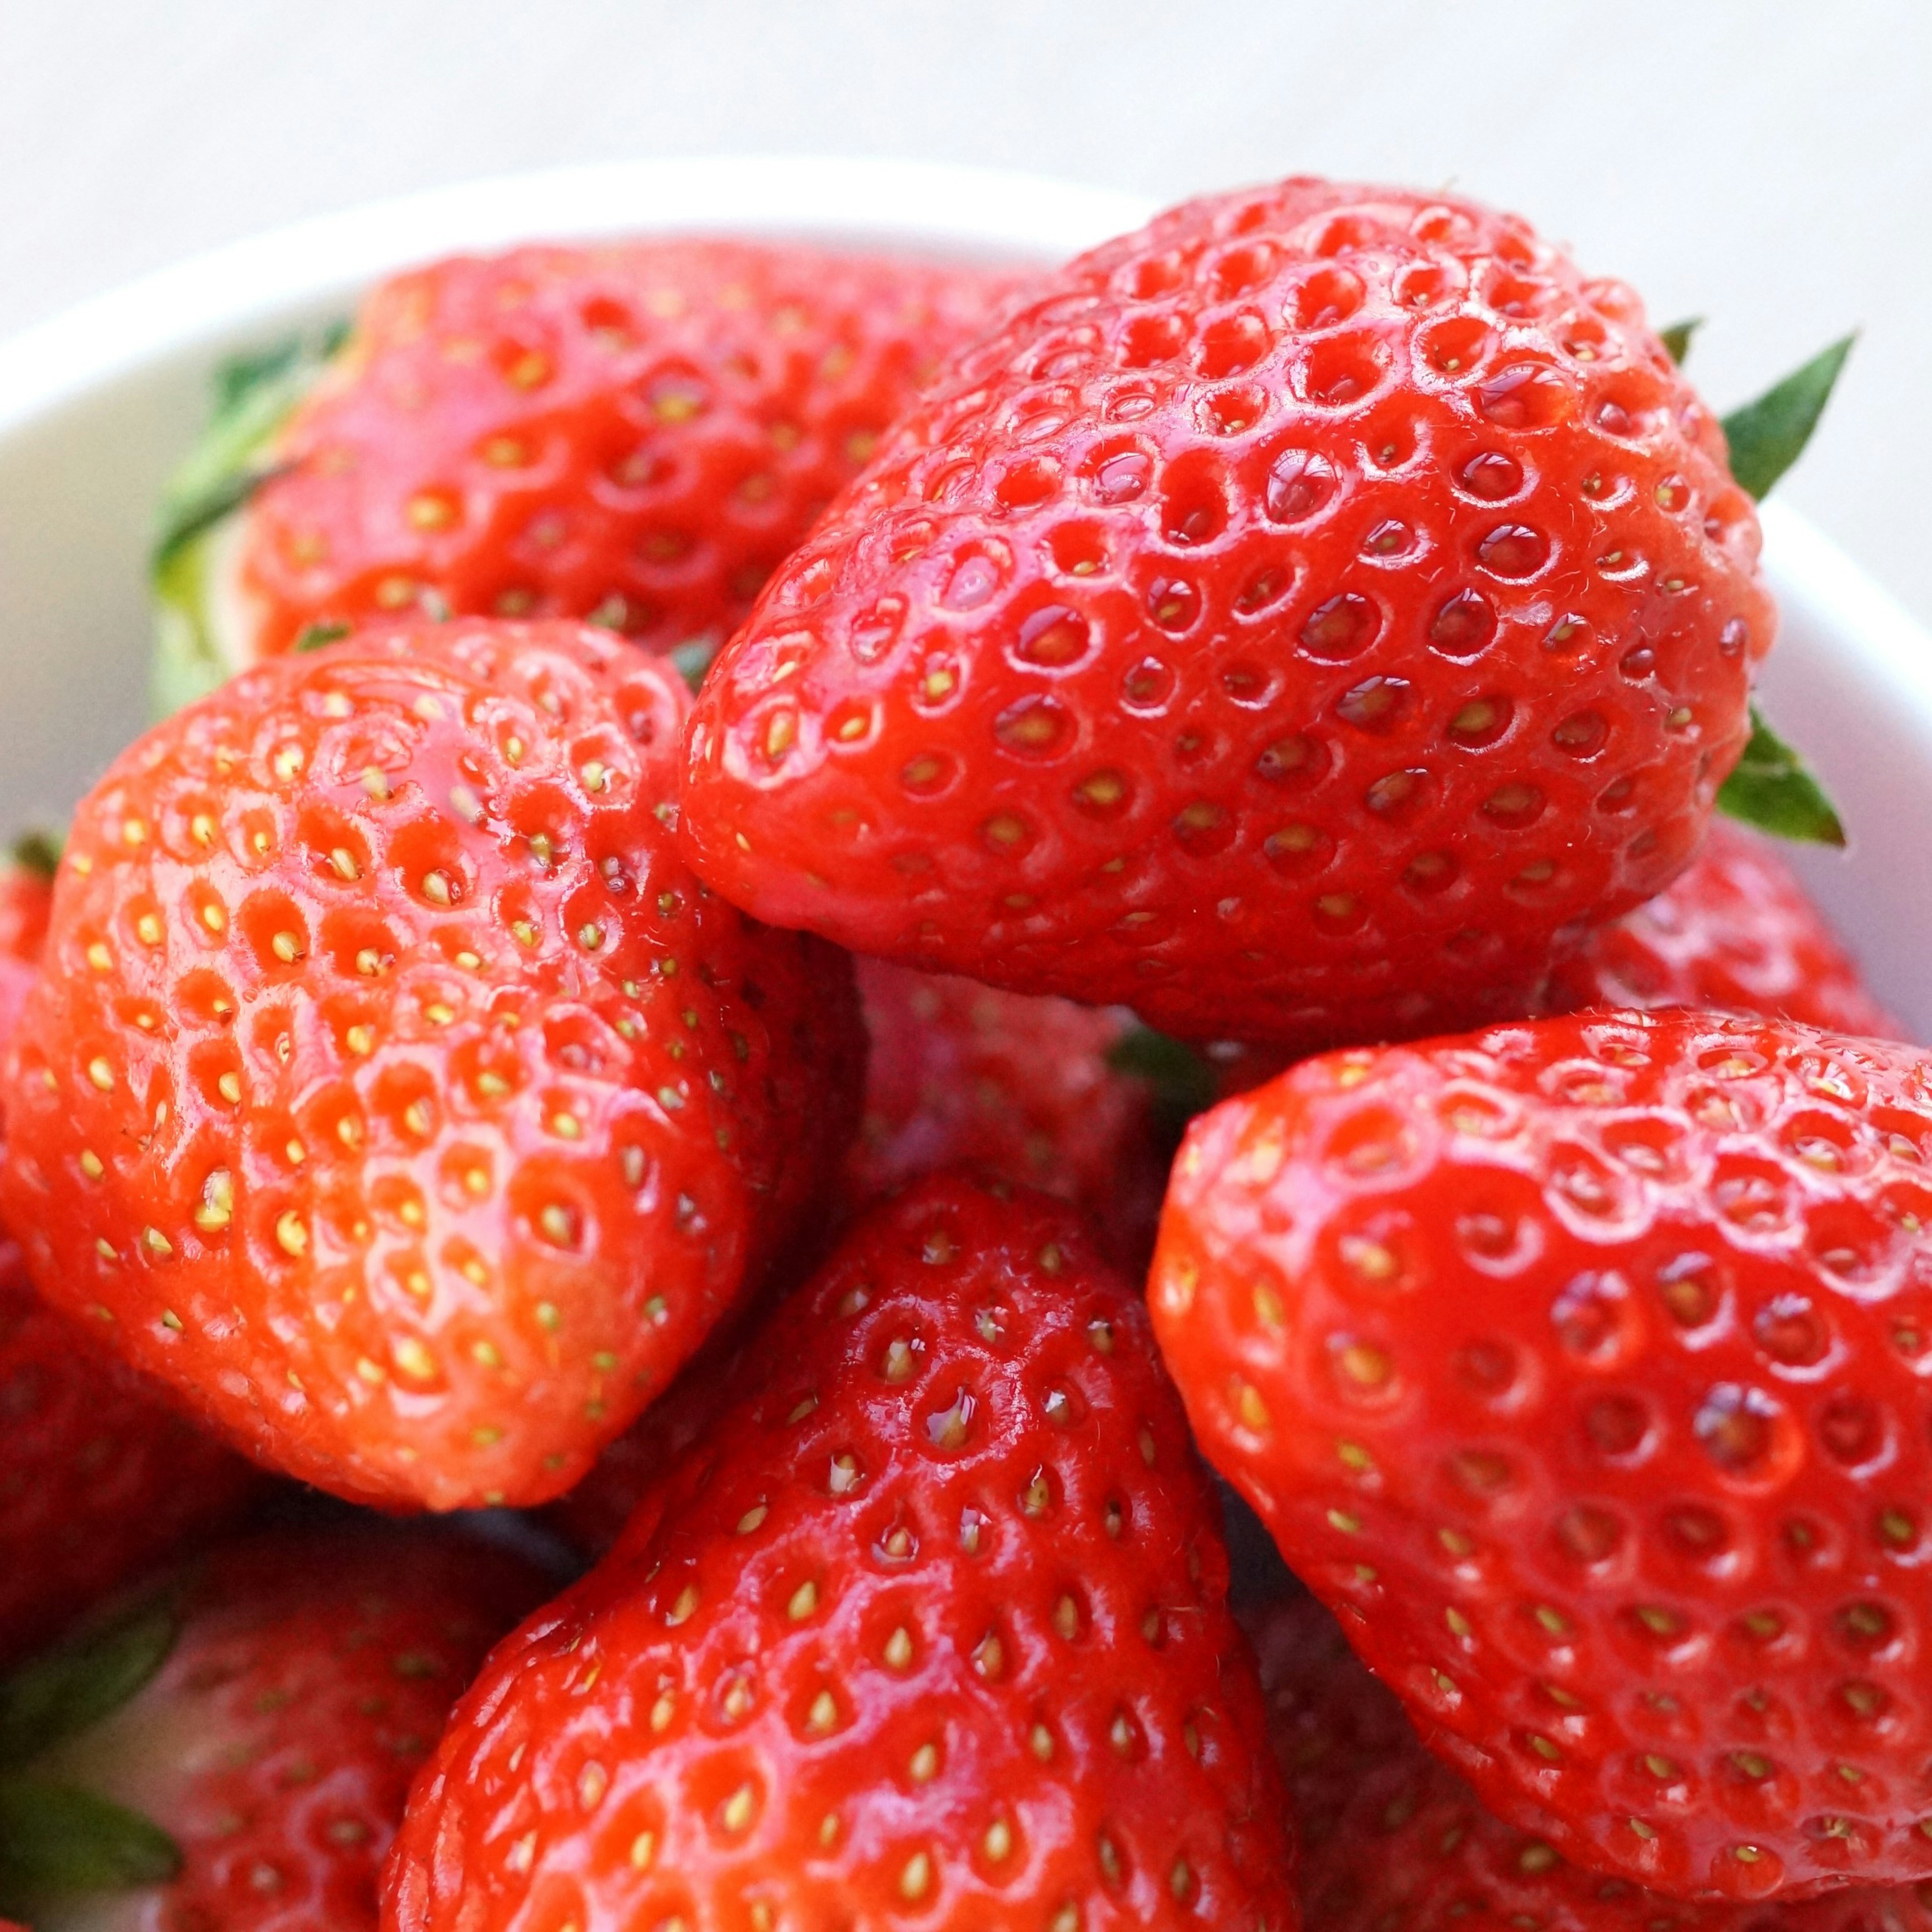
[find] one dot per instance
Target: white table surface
(1765, 164)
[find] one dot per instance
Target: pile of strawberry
(437, 1078)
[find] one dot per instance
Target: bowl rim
(210, 296)
(209, 301)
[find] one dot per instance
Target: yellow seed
(344, 862)
(998, 1842)
(804, 1602)
(739, 1809)
(416, 1118)
(436, 888)
(1040, 1740)
(99, 958)
(360, 1039)
(414, 1360)
(90, 1164)
(371, 1371)
(643, 1848)
(285, 947)
(147, 929)
(681, 1611)
(101, 1074)
(229, 1087)
(290, 1233)
(157, 1243)
(916, 1876)
(898, 1648)
(925, 1766)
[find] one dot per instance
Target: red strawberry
(1393, 1840)
(1291, 624)
(957, 1073)
(1023, 1087)
(1737, 930)
(26, 893)
(1582, 1364)
(639, 431)
(391, 1089)
(244, 1744)
(932, 1624)
(99, 1477)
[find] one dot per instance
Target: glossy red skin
(1736, 931)
(1393, 1840)
(708, 1661)
(640, 430)
(961, 1072)
(1583, 1364)
(313, 1673)
(1068, 691)
(100, 1477)
(957, 1073)
(519, 1199)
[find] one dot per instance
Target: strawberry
(99, 1477)
(1039, 1090)
(1392, 1838)
(638, 431)
(1581, 1365)
(1024, 1088)
(391, 1089)
(931, 1623)
(1292, 623)
(1737, 930)
(233, 1750)
(26, 894)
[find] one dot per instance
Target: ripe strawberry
(639, 431)
(1582, 1363)
(1023, 1087)
(1736, 930)
(99, 1477)
(26, 893)
(1392, 1838)
(241, 1746)
(957, 1073)
(391, 1089)
(932, 1622)
(1290, 624)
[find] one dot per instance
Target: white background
(1766, 164)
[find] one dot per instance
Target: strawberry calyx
(38, 851)
(254, 394)
(1181, 1082)
(1771, 787)
(55, 1836)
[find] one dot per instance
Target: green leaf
(67, 1690)
(693, 659)
(190, 517)
(1768, 437)
(55, 1838)
(1183, 1082)
(1771, 789)
(39, 851)
(1677, 337)
(314, 636)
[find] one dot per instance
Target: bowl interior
(96, 406)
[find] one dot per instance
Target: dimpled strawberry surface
(391, 1089)
(640, 431)
(931, 1628)
(1393, 1840)
(1579, 1366)
(1290, 624)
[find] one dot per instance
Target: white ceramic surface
(96, 405)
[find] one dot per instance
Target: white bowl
(96, 405)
